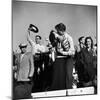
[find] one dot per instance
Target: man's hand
(60, 50)
(63, 52)
(38, 71)
(30, 78)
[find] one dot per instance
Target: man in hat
(25, 71)
(37, 51)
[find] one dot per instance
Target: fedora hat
(33, 28)
(23, 45)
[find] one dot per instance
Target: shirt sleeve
(31, 42)
(31, 73)
(43, 49)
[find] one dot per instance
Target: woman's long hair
(89, 37)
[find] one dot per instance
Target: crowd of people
(50, 67)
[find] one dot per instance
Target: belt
(23, 82)
(61, 57)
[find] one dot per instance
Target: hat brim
(33, 28)
(22, 46)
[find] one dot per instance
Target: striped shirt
(66, 45)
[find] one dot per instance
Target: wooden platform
(69, 92)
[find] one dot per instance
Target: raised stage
(69, 92)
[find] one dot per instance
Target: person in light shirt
(25, 71)
(37, 51)
(36, 45)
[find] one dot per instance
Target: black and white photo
(54, 49)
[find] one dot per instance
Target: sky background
(80, 20)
